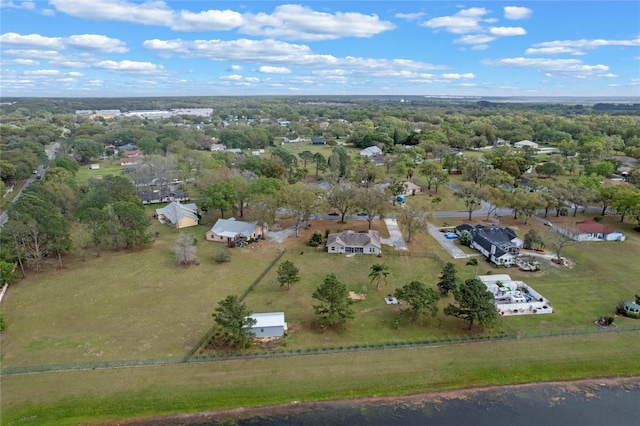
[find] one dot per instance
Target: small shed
(632, 309)
(270, 324)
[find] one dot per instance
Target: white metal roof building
(269, 324)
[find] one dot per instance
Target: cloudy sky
(157, 48)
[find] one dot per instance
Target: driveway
(280, 236)
(395, 240)
(448, 244)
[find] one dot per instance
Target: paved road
(51, 154)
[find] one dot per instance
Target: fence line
(209, 334)
(406, 253)
(312, 351)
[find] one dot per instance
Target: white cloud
(475, 39)
(507, 31)
(480, 47)
(234, 68)
(289, 21)
(517, 12)
(465, 21)
(296, 22)
(455, 76)
(96, 42)
(20, 62)
(232, 77)
(30, 5)
(577, 46)
(148, 13)
(31, 41)
(208, 20)
(409, 16)
(609, 75)
(133, 67)
(553, 51)
(93, 42)
(45, 55)
(574, 66)
(75, 74)
(42, 72)
(274, 70)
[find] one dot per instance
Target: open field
(97, 396)
(122, 305)
(132, 305)
(142, 305)
(107, 167)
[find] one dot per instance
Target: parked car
(547, 223)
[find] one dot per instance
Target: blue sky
(216, 48)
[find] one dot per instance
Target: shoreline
(587, 388)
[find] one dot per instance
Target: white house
(371, 151)
(524, 143)
(350, 242)
(270, 324)
(515, 297)
(590, 230)
(500, 245)
(227, 230)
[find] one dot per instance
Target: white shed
(270, 324)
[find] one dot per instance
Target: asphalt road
(51, 154)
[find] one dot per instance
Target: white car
(547, 223)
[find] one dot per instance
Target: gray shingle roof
(175, 211)
(232, 227)
(355, 239)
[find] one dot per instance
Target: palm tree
(379, 272)
(436, 200)
(473, 262)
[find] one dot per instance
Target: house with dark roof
(162, 195)
(318, 140)
(350, 242)
(499, 245)
(590, 230)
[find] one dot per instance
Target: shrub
(465, 238)
(223, 254)
(316, 239)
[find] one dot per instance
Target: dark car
(363, 214)
(334, 214)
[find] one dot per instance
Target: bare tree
(185, 249)
(412, 220)
(560, 237)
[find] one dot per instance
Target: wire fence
(512, 335)
(209, 334)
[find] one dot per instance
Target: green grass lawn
(122, 305)
(140, 304)
(107, 167)
(98, 396)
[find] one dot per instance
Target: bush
(465, 238)
(223, 254)
(316, 239)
